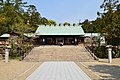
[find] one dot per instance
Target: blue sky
(67, 10)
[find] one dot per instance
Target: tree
(118, 7)
(12, 10)
(43, 21)
(66, 23)
(33, 17)
(16, 16)
(51, 22)
(110, 20)
(89, 26)
(109, 5)
(2, 23)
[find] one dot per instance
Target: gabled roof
(5, 35)
(59, 30)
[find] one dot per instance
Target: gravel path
(16, 70)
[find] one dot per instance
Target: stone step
(43, 60)
(59, 53)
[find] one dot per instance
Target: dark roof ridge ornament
(68, 24)
(59, 24)
(55, 25)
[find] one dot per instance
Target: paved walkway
(58, 71)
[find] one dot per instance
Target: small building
(91, 38)
(4, 40)
(92, 35)
(55, 35)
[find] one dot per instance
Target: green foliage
(11, 12)
(101, 52)
(86, 26)
(66, 23)
(109, 5)
(51, 22)
(32, 17)
(17, 50)
(89, 26)
(13, 51)
(109, 22)
(16, 16)
(44, 21)
(16, 12)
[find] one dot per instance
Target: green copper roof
(59, 30)
(5, 35)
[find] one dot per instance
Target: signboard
(102, 41)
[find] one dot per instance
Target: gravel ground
(19, 70)
(102, 69)
(16, 70)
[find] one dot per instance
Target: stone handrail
(91, 53)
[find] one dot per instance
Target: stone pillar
(109, 53)
(6, 55)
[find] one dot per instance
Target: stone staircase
(59, 53)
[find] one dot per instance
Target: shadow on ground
(112, 71)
